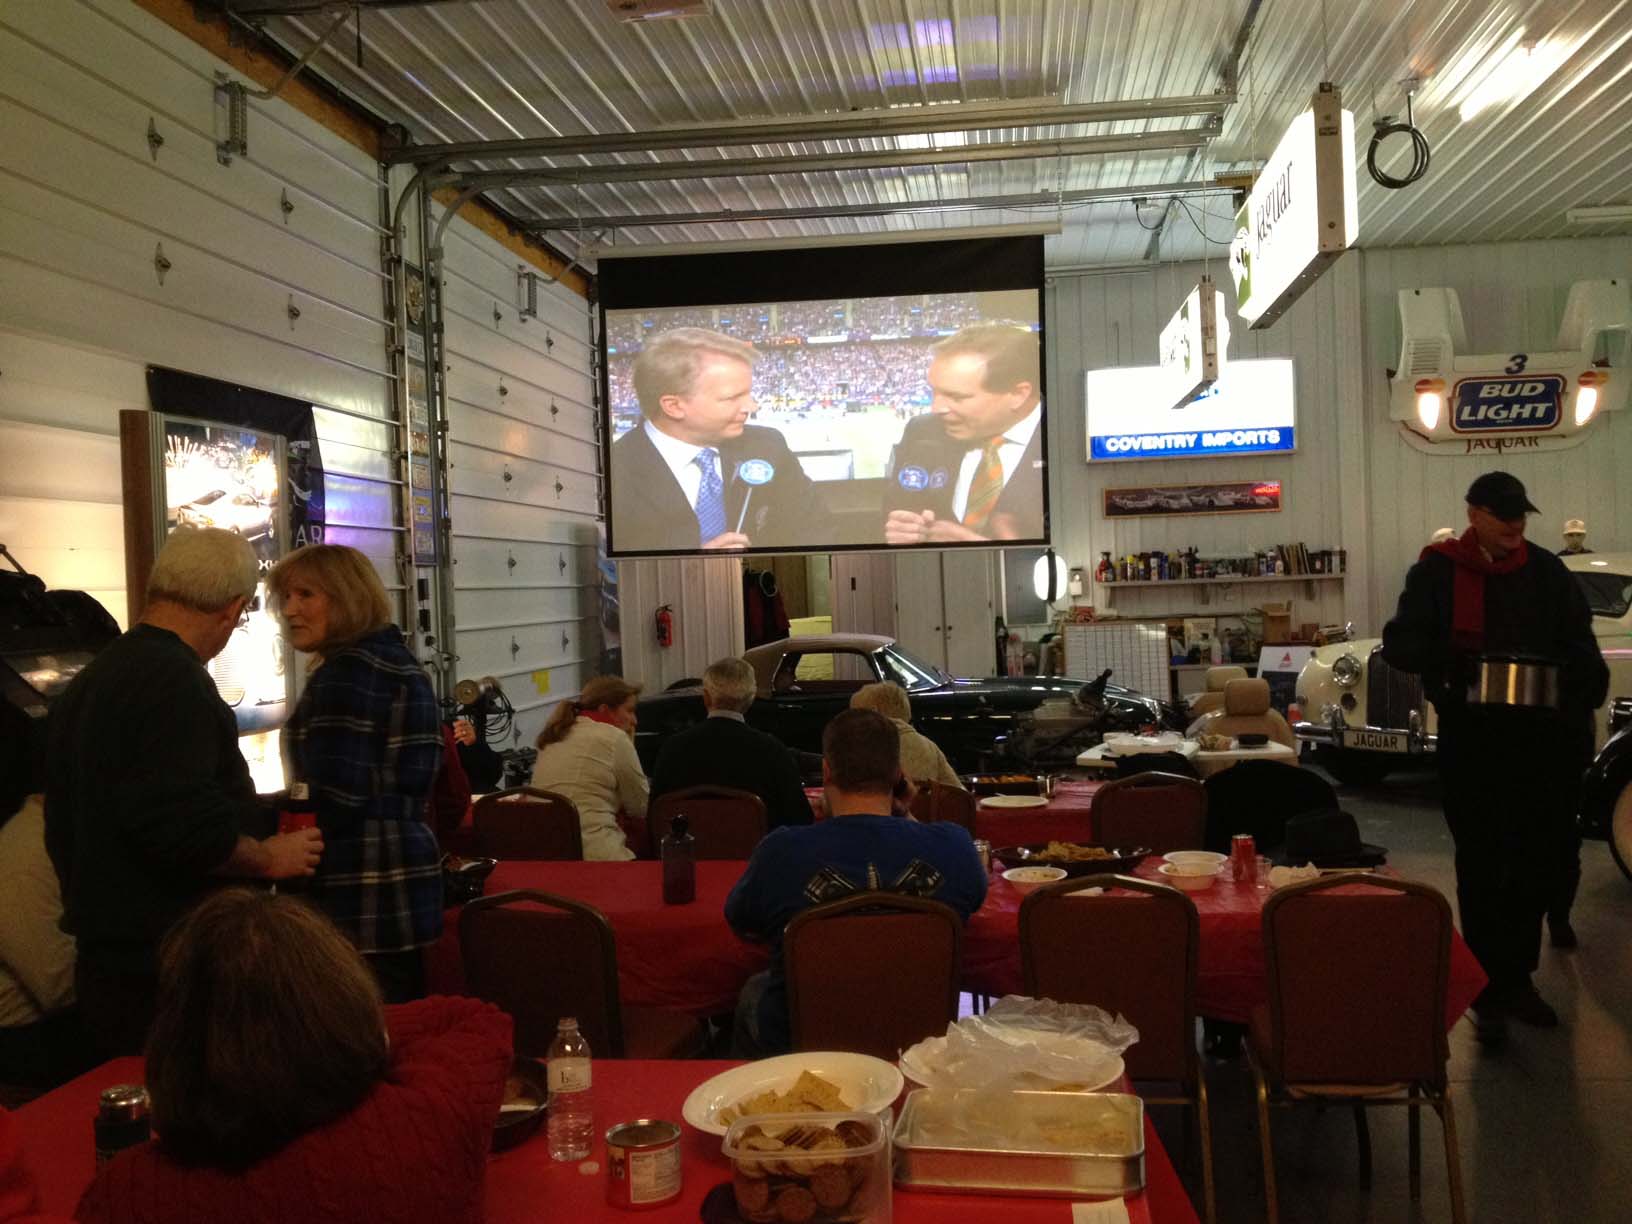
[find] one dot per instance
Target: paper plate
(867, 1084)
(1014, 801)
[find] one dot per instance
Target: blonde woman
(366, 737)
(921, 757)
(586, 752)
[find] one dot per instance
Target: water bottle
(571, 1122)
(679, 853)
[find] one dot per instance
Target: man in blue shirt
(860, 847)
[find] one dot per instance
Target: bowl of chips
(1074, 858)
(808, 1082)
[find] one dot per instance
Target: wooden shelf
(1110, 588)
(1184, 582)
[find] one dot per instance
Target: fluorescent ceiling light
(1513, 71)
(1590, 213)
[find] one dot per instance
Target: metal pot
(1515, 682)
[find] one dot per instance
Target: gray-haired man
(723, 750)
(148, 800)
(694, 474)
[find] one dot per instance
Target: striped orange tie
(985, 487)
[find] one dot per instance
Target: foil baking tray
(1072, 1170)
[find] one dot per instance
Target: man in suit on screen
(694, 473)
(972, 467)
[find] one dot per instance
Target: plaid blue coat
(366, 737)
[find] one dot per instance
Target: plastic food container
(817, 1167)
(1097, 1152)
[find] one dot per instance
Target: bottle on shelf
(571, 1121)
(1105, 571)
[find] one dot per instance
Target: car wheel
(1620, 831)
(1355, 768)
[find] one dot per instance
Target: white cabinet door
(966, 600)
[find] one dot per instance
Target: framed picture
(1231, 497)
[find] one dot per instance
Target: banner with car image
(1234, 497)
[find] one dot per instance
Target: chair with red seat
(527, 823)
(725, 823)
(541, 957)
(872, 973)
(1131, 951)
(1158, 810)
(942, 801)
(1357, 968)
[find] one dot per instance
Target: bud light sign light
(1508, 404)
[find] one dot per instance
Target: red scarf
(601, 714)
(1468, 586)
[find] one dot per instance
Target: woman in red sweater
(283, 1091)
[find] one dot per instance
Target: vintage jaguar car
(1369, 718)
(1606, 791)
(1020, 721)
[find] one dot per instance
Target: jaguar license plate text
(1377, 741)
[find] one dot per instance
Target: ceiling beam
(896, 121)
(880, 208)
(886, 159)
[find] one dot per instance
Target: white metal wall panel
(524, 480)
(1113, 320)
(84, 204)
(706, 597)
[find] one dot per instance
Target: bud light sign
(1526, 404)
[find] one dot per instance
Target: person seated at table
(283, 1091)
(586, 752)
(921, 757)
(860, 847)
(39, 1031)
(723, 750)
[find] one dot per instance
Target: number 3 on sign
(1516, 363)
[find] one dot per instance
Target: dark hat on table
(1328, 837)
(1502, 494)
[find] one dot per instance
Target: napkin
(1280, 877)
(1111, 1211)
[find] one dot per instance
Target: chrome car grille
(1391, 694)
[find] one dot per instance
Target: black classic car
(1606, 791)
(1023, 722)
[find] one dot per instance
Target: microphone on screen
(752, 472)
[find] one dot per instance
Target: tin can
(121, 1120)
(642, 1163)
(1243, 858)
(983, 848)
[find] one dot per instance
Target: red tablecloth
(524, 1185)
(1230, 970)
(1064, 819)
(683, 957)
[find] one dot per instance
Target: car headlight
(1347, 670)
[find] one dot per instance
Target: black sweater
(1538, 610)
(146, 794)
(725, 752)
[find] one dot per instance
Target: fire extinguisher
(665, 627)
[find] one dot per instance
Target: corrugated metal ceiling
(495, 69)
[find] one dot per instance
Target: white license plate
(1377, 741)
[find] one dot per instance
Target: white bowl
(867, 1084)
(1208, 857)
(1191, 879)
(1024, 879)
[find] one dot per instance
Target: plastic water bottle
(571, 1123)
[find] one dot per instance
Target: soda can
(983, 848)
(642, 1163)
(1243, 858)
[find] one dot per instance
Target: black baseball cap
(1502, 494)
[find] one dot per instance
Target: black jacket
(924, 474)
(650, 512)
(725, 752)
(146, 794)
(1537, 610)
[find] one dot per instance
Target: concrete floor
(1545, 1124)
